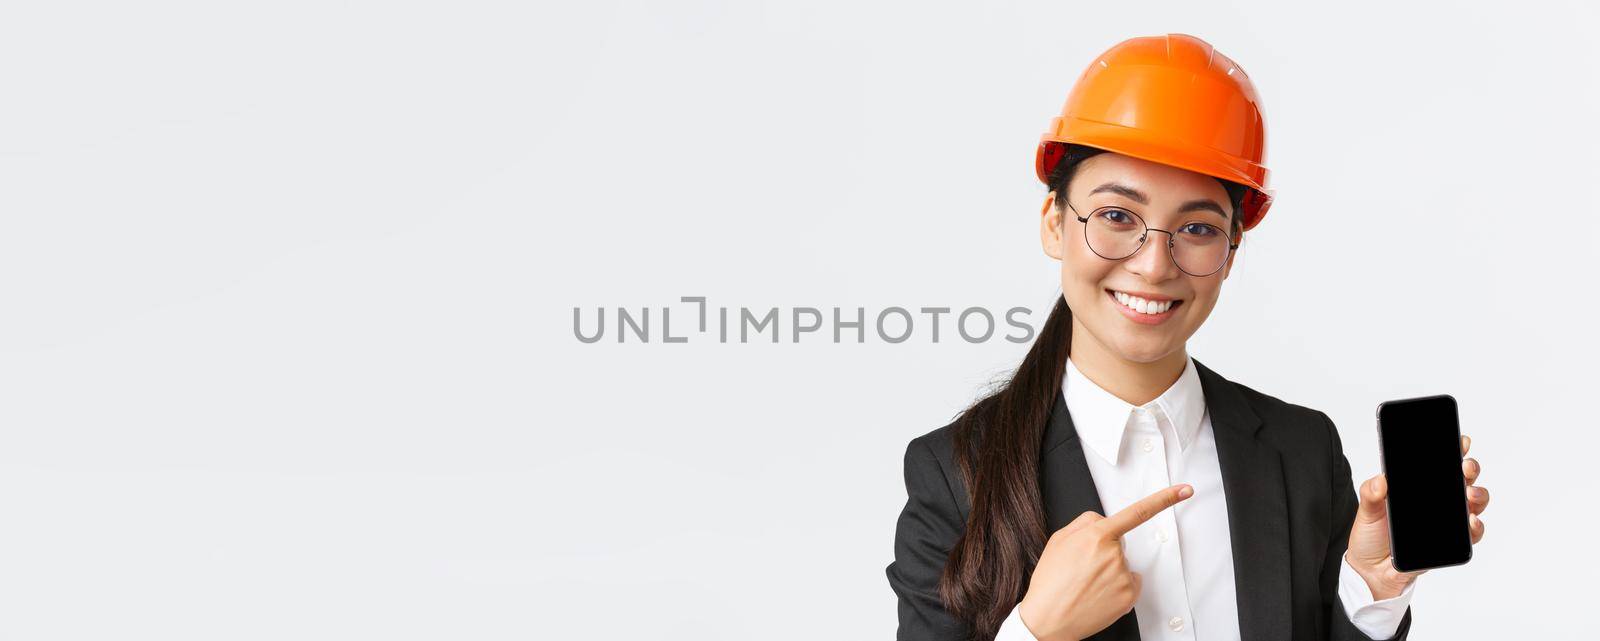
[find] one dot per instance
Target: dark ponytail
(996, 443)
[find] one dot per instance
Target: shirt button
(1176, 624)
(1147, 445)
(1161, 535)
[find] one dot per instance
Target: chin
(1138, 351)
(1141, 344)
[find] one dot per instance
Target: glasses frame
(1171, 238)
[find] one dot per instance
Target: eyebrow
(1202, 204)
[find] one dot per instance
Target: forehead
(1163, 184)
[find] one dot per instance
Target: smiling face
(1107, 296)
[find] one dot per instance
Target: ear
(1228, 266)
(1050, 227)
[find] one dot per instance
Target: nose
(1153, 259)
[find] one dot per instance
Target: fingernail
(1185, 492)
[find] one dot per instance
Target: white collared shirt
(1132, 452)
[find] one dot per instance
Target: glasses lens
(1200, 249)
(1114, 233)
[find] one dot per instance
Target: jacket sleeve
(1345, 503)
(927, 530)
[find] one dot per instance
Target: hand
(1369, 552)
(1082, 583)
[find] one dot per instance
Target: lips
(1147, 309)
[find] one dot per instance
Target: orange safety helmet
(1169, 99)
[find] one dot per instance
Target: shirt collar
(1100, 418)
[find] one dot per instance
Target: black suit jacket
(1290, 505)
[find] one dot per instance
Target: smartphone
(1420, 443)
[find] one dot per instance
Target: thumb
(1373, 493)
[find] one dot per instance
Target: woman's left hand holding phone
(1369, 552)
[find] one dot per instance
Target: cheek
(1206, 292)
(1082, 271)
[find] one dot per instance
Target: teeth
(1141, 305)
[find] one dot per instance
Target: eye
(1200, 230)
(1117, 216)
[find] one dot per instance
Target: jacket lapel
(1258, 521)
(1065, 483)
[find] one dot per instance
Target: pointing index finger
(1145, 509)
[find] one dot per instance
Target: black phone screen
(1421, 445)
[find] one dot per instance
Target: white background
(286, 296)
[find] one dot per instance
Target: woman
(1128, 491)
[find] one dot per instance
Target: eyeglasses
(1114, 233)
